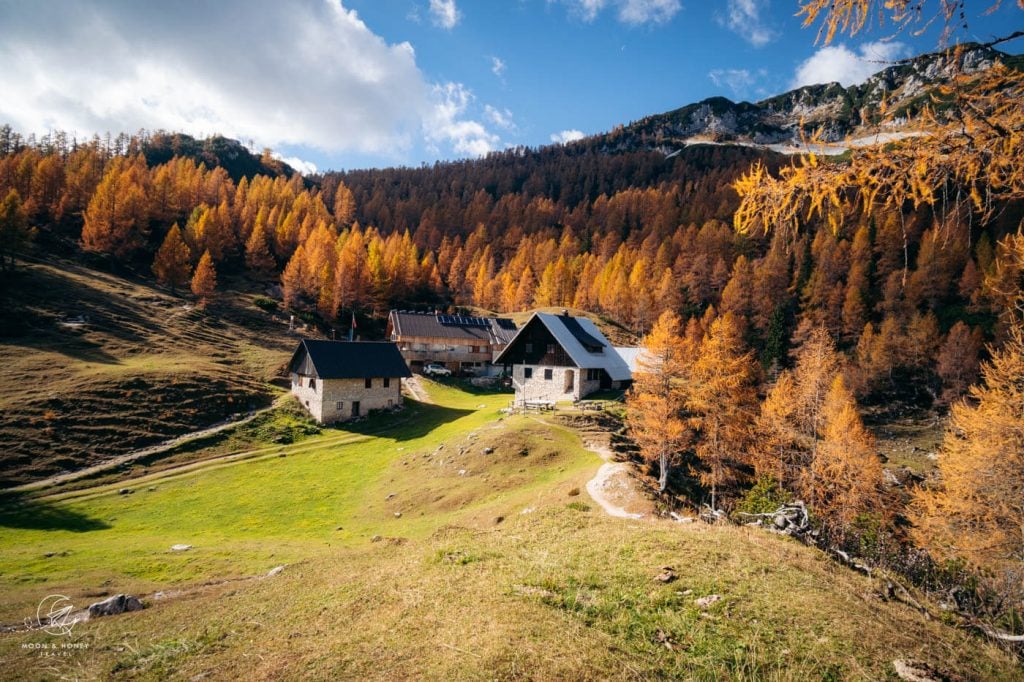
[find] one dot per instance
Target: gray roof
(489, 330)
(349, 359)
(575, 334)
(629, 354)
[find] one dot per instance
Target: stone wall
(331, 399)
(561, 385)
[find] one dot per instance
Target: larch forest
(828, 391)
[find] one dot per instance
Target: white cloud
(567, 136)
(633, 12)
(738, 81)
(500, 117)
(302, 166)
(648, 11)
(839, 63)
(746, 18)
(497, 67)
(447, 123)
(444, 13)
(307, 74)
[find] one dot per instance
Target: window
(312, 382)
(528, 372)
(369, 382)
(593, 375)
(551, 348)
(339, 406)
(387, 382)
(548, 374)
(529, 347)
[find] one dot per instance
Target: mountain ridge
(880, 105)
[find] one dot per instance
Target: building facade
(557, 358)
(465, 345)
(341, 380)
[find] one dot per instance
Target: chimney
(565, 312)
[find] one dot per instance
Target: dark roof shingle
(351, 359)
(406, 324)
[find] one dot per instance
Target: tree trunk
(662, 472)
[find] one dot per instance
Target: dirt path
(136, 454)
(612, 486)
(417, 390)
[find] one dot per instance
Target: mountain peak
(835, 112)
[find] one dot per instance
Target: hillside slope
(408, 552)
(94, 365)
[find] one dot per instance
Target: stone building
(465, 345)
(339, 380)
(560, 357)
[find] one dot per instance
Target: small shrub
(264, 303)
(579, 506)
(766, 496)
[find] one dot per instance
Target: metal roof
(629, 354)
(350, 359)
(577, 336)
(489, 330)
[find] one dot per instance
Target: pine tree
(655, 402)
(204, 281)
(173, 263)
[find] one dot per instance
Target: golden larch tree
(844, 480)
(655, 402)
(173, 263)
(257, 252)
(204, 281)
(721, 399)
(976, 511)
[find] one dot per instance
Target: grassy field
(409, 552)
(94, 365)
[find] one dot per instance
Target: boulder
(705, 602)
(119, 603)
(180, 548)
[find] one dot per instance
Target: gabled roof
(349, 359)
(582, 341)
(629, 355)
(490, 330)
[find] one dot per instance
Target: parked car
(436, 370)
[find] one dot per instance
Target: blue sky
(357, 83)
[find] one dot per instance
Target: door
(355, 408)
(570, 381)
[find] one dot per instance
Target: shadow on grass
(416, 420)
(20, 511)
